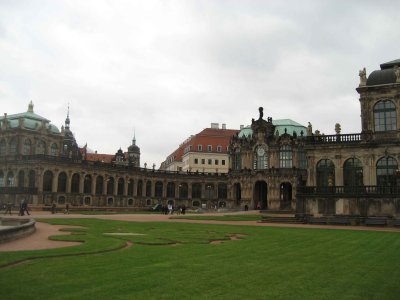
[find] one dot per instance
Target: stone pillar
(54, 184)
(116, 186)
(81, 182)
(93, 187)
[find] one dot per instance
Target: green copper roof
(30, 121)
(280, 126)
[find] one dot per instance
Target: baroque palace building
(270, 165)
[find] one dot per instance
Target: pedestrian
(53, 207)
(170, 209)
(25, 207)
(183, 209)
(21, 208)
(66, 211)
(8, 208)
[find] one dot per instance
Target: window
(27, 147)
(219, 148)
(216, 162)
(209, 148)
(386, 171)
(13, 146)
(385, 116)
(41, 147)
(302, 159)
(237, 160)
(285, 156)
(209, 161)
(325, 173)
(196, 161)
(2, 147)
(199, 147)
(352, 172)
(223, 162)
(54, 150)
(203, 161)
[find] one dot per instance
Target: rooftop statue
(261, 112)
(363, 77)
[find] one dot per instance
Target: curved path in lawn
(40, 238)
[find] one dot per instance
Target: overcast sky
(167, 69)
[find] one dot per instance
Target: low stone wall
(15, 228)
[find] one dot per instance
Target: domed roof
(386, 75)
(133, 147)
(280, 126)
(29, 120)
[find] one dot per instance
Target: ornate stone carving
(363, 77)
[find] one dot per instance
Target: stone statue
(338, 128)
(397, 73)
(261, 112)
(363, 77)
(309, 129)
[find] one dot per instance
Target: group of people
(170, 209)
(23, 208)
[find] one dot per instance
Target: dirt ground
(40, 238)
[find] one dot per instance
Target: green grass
(176, 261)
(249, 217)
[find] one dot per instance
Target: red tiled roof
(107, 158)
(208, 136)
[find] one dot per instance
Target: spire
(30, 107)
(67, 121)
(134, 137)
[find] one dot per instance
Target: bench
(375, 222)
(339, 221)
(396, 222)
(317, 220)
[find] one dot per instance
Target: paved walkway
(39, 239)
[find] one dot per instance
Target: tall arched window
(87, 184)
(222, 191)
(99, 185)
(47, 181)
(131, 186)
(10, 179)
(41, 147)
(121, 187)
(13, 146)
(285, 156)
(75, 183)
(31, 179)
(148, 189)
(183, 190)
(62, 182)
(385, 116)
(386, 169)
(54, 149)
(325, 173)
(1, 178)
(261, 158)
(140, 188)
(110, 186)
(352, 172)
(158, 189)
(21, 179)
(237, 160)
(27, 147)
(170, 190)
(3, 147)
(196, 190)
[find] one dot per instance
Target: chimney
(215, 125)
(223, 126)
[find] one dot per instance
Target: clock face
(260, 151)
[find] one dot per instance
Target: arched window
(325, 173)
(385, 116)
(238, 193)
(31, 179)
(87, 184)
(1, 178)
(386, 169)
(352, 172)
(301, 154)
(140, 188)
(13, 146)
(54, 149)
(62, 183)
(209, 190)
(170, 190)
(75, 183)
(158, 189)
(285, 156)
(222, 191)
(21, 179)
(99, 185)
(237, 160)
(10, 179)
(27, 147)
(131, 187)
(3, 147)
(183, 190)
(47, 181)
(260, 158)
(121, 185)
(148, 189)
(41, 147)
(110, 186)
(196, 190)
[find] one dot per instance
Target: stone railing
(349, 191)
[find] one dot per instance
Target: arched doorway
(260, 195)
(285, 195)
(238, 193)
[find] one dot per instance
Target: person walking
(66, 211)
(8, 208)
(25, 207)
(53, 207)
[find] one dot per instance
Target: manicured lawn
(249, 217)
(177, 261)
